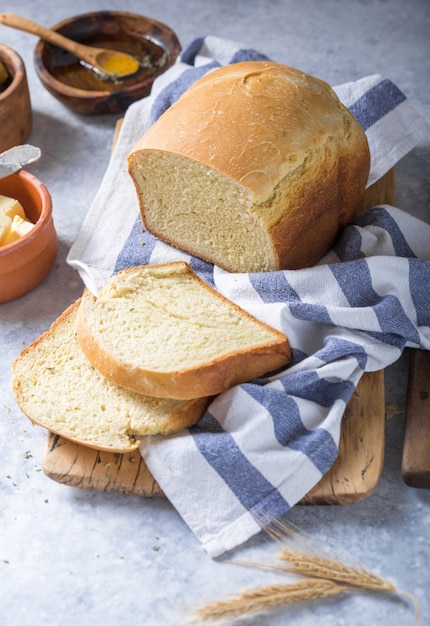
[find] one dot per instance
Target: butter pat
(13, 222)
(11, 207)
(19, 228)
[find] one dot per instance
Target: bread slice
(257, 167)
(162, 331)
(57, 388)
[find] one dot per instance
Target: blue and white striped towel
(263, 445)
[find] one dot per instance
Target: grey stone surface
(71, 556)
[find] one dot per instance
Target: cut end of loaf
(190, 206)
(162, 331)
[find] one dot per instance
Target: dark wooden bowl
(82, 89)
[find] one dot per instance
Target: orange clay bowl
(153, 43)
(15, 108)
(28, 260)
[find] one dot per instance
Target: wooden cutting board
(353, 476)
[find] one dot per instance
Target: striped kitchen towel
(261, 446)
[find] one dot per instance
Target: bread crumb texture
(167, 320)
(160, 329)
(57, 387)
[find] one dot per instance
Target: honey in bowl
(70, 71)
(154, 44)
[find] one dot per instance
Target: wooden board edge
(69, 463)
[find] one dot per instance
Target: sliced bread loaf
(162, 331)
(57, 388)
(257, 167)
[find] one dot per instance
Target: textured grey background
(76, 557)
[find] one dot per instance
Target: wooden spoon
(109, 63)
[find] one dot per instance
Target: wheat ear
(325, 577)
(319, 567)
(266, 598)
(313, 561)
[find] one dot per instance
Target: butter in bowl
(27, 235)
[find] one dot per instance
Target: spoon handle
(51, 36)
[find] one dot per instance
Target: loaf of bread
(257, 167)
(162, 331)
(57, 388)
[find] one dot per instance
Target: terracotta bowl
(84, 90)
(15, 108)
(28, 260)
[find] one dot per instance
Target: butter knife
(15, 158)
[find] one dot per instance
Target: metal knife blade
(15, 158)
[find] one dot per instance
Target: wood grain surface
(416, 443)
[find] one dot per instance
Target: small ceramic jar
(16, 117)
(28, 260)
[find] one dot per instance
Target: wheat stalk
(266, 598)
(300, 555)
(317, 567)
(325, 577)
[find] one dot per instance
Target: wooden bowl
(28, 260)
(84, 90)
(16, 117)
